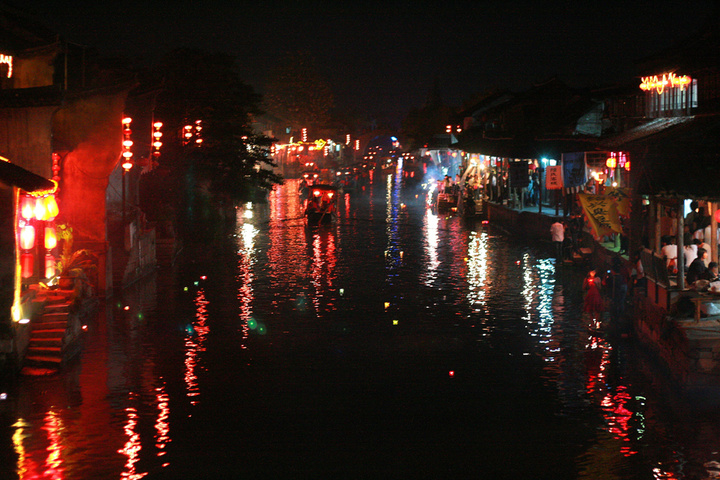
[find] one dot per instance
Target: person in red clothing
(593, 303)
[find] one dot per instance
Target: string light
(127, 144)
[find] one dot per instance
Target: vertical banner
(574, 171)
(601, 212)
(553, 178)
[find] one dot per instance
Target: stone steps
(45, 350)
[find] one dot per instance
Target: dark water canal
(397, 344)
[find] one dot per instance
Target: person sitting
(711, 275)
(697, 269)
(669, 251)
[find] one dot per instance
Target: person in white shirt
(669, 251)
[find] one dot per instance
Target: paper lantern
(27, 263)
(50, 238)
(27, 207)
(40, 209)
(717, 215)
(27, 237)
(51, 207)
(611, 162)
(49, 266)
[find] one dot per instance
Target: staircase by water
(48, 334)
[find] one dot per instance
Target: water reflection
(197, 333)
(131, 449)
(186, 384)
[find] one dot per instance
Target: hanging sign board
(554, 178)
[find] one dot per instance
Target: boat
(321, 205)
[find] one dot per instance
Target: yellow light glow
(127, 121)
(27, 237)
(157, 125)
(50, 238)
(666, 80)
(52, 207)
(7, 60)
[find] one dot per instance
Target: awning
(16, 176)
(682, 160)
(524, 148)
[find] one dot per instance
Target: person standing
(557, 234)
(593, 302)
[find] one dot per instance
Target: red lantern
(611, 162)
(27, 264)
(717, 215)
(27, 207)
(40, 209)
(27, 237)
(50, 238)
(49, 266)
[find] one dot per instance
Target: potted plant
(72, 265)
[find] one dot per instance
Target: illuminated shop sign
(7, 60)
(666, 80)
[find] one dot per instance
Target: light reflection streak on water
(25, 464)
(392, 207)
(162, 427)
(617, 418)
(477, 269)
(246, 260)
(53, 426)
(322, 269)
(132, 446)
(541, 288)
(432, 239)
(194, 345)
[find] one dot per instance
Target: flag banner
(553, 178)
(622, 200)
(601, 212)
(574, 171)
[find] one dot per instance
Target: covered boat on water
(321, 205)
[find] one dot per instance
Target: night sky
(383, 58)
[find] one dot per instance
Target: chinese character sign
(602, 214)
(553, 177)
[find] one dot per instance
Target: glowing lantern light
(27, 207)
(50, 238)
(27, 262)
(611, 162)
(627, 165)
(49, 266)
(27, 237)
(52, 207)
(40, 210)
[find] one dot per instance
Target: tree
(297, 93)
(231, 164)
